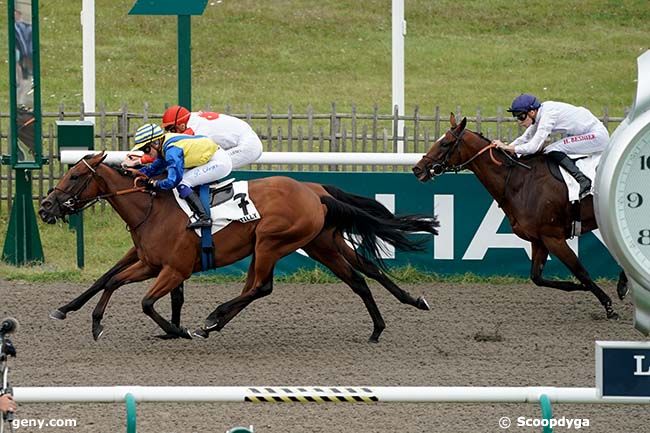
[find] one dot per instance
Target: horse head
(76, 189)
(445, 154)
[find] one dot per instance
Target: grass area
(106, 240)
(300, 52)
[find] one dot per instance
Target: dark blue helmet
(524, 103)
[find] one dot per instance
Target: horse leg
(134, 273)
(331, 258)
(203, 332)
(129, 258)
(167, 280)
(540, 256)
(261, 286)
(561, 250)
(371, 270)
(621, 287)
(178, 299)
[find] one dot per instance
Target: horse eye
(74, 176)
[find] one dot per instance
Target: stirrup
(200, 223)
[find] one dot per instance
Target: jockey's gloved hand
(151, 185)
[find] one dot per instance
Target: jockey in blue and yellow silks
(189, 160)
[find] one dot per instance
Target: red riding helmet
(174, 116)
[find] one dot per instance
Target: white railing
(368, 394)
(115, 157)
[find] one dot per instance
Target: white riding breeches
(594, 141)
(247, 150)
(218, 167)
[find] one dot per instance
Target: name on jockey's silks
(197, 149)
(576, 138)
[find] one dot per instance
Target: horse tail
(420, 223)
(373, 207)
(365, 229)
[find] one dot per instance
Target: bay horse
(166, 250)
(535, 203)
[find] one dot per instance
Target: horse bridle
(438, 168)
(70, 205)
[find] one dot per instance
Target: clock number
(634, 200)
(645, 162)
(644, 237)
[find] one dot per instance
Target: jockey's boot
(567, 163)
(197, 207)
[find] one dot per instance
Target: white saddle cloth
(588, 166)
(239, 207)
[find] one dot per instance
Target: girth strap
(207, 246)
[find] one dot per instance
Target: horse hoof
(57, 315)
(185, 333)
(622, 290)
(211, 325)
(373, 339)
(97, 331)
(200, 333)
(612, 315)
(422, 304)
(167, 336)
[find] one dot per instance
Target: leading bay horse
(166, 250)
(535, 203)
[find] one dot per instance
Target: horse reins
(446, 167)
(74, 200)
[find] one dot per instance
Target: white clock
(622, 196)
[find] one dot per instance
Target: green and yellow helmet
(146, 134)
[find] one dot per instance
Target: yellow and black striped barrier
(310, 395)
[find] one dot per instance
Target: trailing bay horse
(166, 250)
(535, 203)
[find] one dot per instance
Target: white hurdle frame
(353, 158)
(353, 394)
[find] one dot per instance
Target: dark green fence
(474, 234)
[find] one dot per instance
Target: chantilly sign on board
(623, 369)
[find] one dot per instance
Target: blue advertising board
(623, 369)
(475, 236)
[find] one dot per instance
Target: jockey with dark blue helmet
(583, 133)
(189, 161)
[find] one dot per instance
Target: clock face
(632, 199)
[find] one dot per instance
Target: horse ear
(463, 124)
(98, 158)
(452, 120)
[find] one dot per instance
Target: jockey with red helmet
(190, 160)
(233, 134)
(583, 133)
